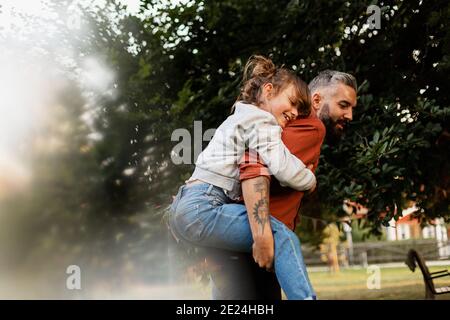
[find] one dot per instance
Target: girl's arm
(265, 138)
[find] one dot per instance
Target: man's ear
(316, 99)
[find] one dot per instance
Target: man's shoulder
(304, 134)
(305, 125)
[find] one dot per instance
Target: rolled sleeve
(251, 166)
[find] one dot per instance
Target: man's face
(336, 108)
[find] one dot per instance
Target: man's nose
(294, 112)
(348, 115)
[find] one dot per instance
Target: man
(244, 276)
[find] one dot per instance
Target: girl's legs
(289, 265)
(202, 215)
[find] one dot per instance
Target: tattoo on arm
(261, 208)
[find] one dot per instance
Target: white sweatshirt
(250, 128)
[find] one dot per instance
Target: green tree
(394, 151)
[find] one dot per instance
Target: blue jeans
(201, 214)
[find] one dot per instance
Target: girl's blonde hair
(260, 70)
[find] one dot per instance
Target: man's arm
(303, 141)
(256, 194)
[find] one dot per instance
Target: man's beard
(334, 134)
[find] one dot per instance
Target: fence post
(364, 259)
(348, 236)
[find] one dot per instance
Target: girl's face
(281, 105)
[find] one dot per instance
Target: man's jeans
(236, 276)
(201, 214)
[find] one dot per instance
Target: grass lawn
(349, 284)
(396, 283)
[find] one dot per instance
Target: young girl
(205, 211)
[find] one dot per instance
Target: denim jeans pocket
(214, 200)
(189, 225)
(194, 230)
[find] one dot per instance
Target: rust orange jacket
(303, 137)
